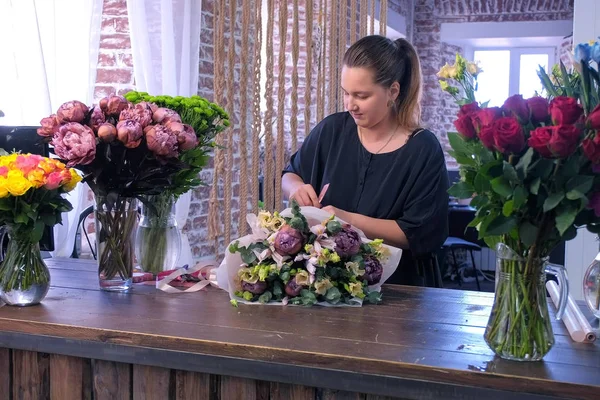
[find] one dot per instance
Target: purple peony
(107, 132)
(129, 132)
(97, 118)
(75, 143)
(288, 241)
(373, 270)
(292, 288)
(161, 141)
(71, 111)
(141, 113)
(254, 288)
(347, 242)
(49, 126)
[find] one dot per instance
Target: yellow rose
(322, 286)
(36, 177)
(17, 185)
(75, 179)
(3, 188)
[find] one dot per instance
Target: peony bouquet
(305, 256)
(31, 188)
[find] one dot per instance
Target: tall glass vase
(116, 223)
(519, 326)
(591, 286)
(158, 241)
(24, 277)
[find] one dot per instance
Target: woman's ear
(394, 91)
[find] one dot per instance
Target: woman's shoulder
(329, 128)
(425, 140)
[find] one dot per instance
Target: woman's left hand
(341, 214)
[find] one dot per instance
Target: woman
(373, 166)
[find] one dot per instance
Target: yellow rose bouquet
(31, 189)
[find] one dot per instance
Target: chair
(81, 226)
(454, 243)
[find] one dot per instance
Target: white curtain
(165, 43)
(49, 55)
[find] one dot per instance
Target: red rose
(486, 135)
(593, 120)
(591, 149)
(485, 117)
(540, 140)
(468, 109)
(564, 140)
(517, 107)
(464, 126)
(565, 110)
(508, 135)
(538, 106)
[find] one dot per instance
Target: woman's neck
(380, 131)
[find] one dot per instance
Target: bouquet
(304, 256)
(530, 167)
(125, 151)
(31, 188)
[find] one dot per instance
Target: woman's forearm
(376, 228)
(289, 183)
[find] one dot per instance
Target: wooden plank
(328, 394)
(31, 375)
(263, 390)
(5, 371)
(151, 383)
(111, 380)
(233, 388)
(283, 391)
(192, 386)
(66, 377)
(87, 381)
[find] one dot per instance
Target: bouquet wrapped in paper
(305, 256)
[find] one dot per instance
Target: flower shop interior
(271, 70)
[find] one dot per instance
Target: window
(510, 71)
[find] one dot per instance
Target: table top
(418, 339)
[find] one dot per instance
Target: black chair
(81, 228)
(455, 243)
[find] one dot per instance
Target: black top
(408, 185)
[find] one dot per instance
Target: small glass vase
(116, 223)
(158, 241)
(519, 326)
(591, 286)
(24, 277)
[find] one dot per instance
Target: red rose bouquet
(531, 168)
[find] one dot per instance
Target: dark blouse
(408, 185)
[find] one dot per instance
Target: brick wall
(429, 15)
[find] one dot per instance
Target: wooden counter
(420, 344)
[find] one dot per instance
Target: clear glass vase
(591, 286)
(519, 326)
(24, 277)
(158, 241)
(116, 223)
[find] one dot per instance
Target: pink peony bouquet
(304, 256)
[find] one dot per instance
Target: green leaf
(553, 200)
(519, 197)
(535, 186)
(565, 219)
(481, 183)
(541, 168)
(507, 208)
(464, 160)
(37, 232)
(510, 173)
(492, 241)
(501, 186)
(479, 201)
(6, 204)
(461, 190)
(458, 144)
(21, 218)
(528, 233)
(501, 225)
(578, 186)
(524, 162)
(570, 168)
(570, 233)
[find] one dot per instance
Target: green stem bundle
(154, 232)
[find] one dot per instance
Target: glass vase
(519, 326)
(24, 277)
(116, 223)
(591, 286)
(158, 241)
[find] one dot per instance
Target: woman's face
(367, 102)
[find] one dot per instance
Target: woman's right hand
(305, 195)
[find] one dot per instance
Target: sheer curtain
(50, 59)
(165, 42)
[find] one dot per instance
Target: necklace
(360, 136)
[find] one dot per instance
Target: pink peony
(97, 118)
(141, 113)
(75, 144)
(49, 126)
(164, 115)
(114, 105)
(161, 141)
(107, 132)
(72, 111)
(129, 132)
(186, 137)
